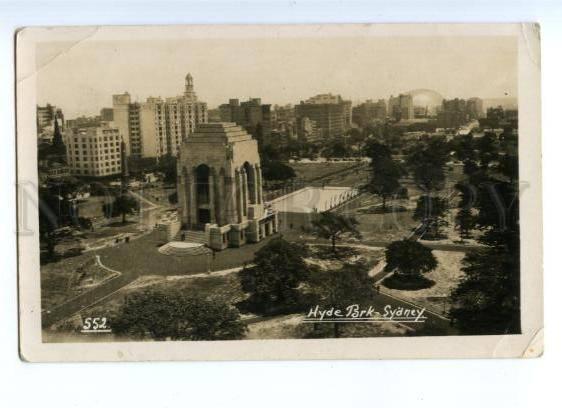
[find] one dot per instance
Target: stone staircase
(197, 237)
(171, 249)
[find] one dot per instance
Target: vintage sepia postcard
(279, 192)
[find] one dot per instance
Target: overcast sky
(81, 77)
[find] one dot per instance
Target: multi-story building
(401, 107)
(157, 127)
(282, 115)
(453, 113)
(126, 116)
(307, 130)
(106, 114)
(254, 116)
(46, 115)
(369, 111)
(94, 151)
(83, 122)
(331, 114)
(475, 108)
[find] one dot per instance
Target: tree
(177, 315)
(385, 179)
(463, 146)
(427, 162)
(465, 222)
(430, 210)
(334, 227)
(487, 300)
(122, 205)
(168, 165)
(386, 172)
(48, 220)
(173, 198)
(275, 170)
(59, 148)
(487, 147)
(408, 259)
(279, 268)
(341, 288)
(465, 218)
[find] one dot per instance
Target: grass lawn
(311, 171)
(446, 277)
(141, 257)
(69, 277)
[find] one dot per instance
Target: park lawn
(446, 276)
(69, 277)
(312, 171)
(92, 207)
(320, 256)
(141, 257)
(385, 227)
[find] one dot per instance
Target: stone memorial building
(220, 187)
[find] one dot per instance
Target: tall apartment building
(368, 111)
(126, 116)
(401, 107)
(158, 126)
(331, 114)
(254, 116)
(93, 151)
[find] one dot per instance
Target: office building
(368, 112)
(331, 114)
(93, 151)
(252, 115)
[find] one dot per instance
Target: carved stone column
(219, 199)
(229, 200)
(259, 186)
(212, 215)
(239, 198)
(244, 181)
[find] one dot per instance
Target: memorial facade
(220, 186)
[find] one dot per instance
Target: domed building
(426, 98)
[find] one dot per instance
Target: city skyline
(81, 77)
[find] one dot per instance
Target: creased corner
(531, 36)
(535, 348)
(91, 32)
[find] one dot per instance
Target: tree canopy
(409, 257)
(487, 299)
(279, 268)
(343, 287)
(277, 171)
(335, 226)
(427, 161)
(122, 205)
(177, 315)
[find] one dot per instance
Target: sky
(80, 77)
